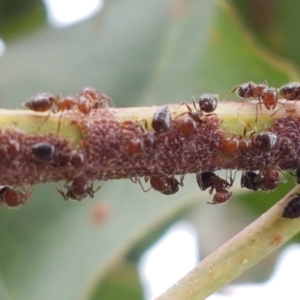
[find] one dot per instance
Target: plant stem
(120, 143)
(237, 255)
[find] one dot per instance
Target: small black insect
(162, 119)
(43, 151)
(250, 180)
(292, 209)
(205, 180)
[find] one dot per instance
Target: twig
(236, 256)
(120, 143)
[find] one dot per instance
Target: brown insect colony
(141, 141)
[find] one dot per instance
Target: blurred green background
(139, 53)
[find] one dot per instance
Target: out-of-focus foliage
(274, 23)
(139, 53)
(20, 17)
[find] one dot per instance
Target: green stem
(118, 143)
(237, 255)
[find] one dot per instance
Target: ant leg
(231, 92)
(60, 190)
(246, 95)
(259, 103)
(45, 120)
(134, 180)
(99, 187)
(138, 180)
(188, 107)
(246, 127)
(213, 201)
(181, 180)
(27, 193)
(282, 105)
(59, 123)
(194, 103)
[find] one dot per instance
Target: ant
(167, 185)
(266, 95)
(207, 103)
(292, 209)
(43, 151)
(92, 98)
(12, 197)
(267, 181)
(45, 102)
(78, 189)
(290, 91)
(88, 99)
(210, 180)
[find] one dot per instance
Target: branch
(120, 143)
(237, 255)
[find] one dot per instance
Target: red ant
(88, 99)
(210, 180)
(266, 95)
(45, 102)
(92, 98)
(12, 197)
(167, 185)
(78, 189)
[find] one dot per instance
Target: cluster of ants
(84, 102)
(90, 98)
